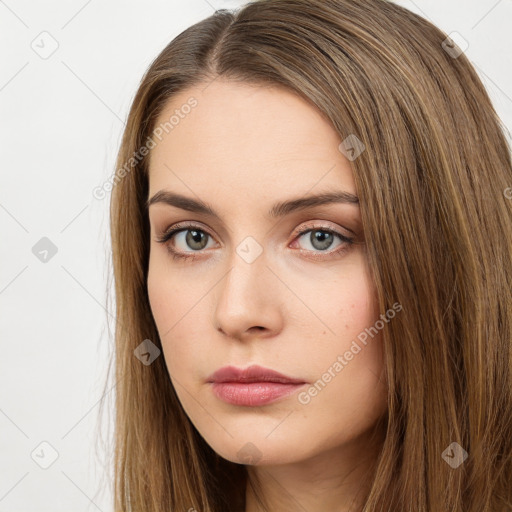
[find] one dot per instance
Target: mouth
(253, 386)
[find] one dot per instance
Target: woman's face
(253, 290)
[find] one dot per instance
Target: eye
(185, 237)
(318, 240)
(190, 239)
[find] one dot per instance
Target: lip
(253, 373)
(252, 386)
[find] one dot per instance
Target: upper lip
(253, 373)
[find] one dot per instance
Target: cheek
(167, 303)
(351, 303)
(351, 311)
(161, 294)
(178, 313)
(169, 297)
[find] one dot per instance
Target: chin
(259, 452)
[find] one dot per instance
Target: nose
(248, 300)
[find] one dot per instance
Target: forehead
(246, 140)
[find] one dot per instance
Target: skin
(241, 149)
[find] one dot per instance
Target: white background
(61, 119)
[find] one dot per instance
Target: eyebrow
(279, 209)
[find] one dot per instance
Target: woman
(312, 249)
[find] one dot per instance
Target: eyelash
(177, 228)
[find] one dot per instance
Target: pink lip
(252, 386)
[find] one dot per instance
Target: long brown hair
(432, 182)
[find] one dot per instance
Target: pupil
(321, 239)
(194, 236)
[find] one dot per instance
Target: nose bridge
(248, 265)
(244, 300)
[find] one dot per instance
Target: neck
(335, 480)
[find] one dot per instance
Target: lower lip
(253, 393)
